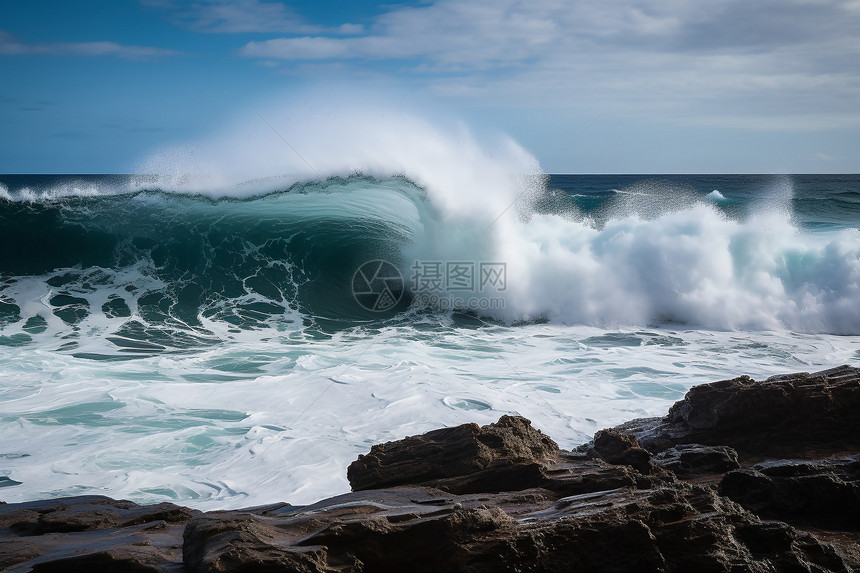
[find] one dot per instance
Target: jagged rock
(405, 529)
(510, 443)
(826, 492)
(509, 455)
(619, 448)
(671, 528)
(692, 460)
(674, 526)
(792, 415)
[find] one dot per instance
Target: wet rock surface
(702, 489)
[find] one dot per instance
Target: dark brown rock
(824, 493)
(793, 415)
(114, 560)
(85, 513)
(619, 448)
(15, 551)
(91, 533)
(678, 527)
(574, 476)
(452, 452)
(245, 542)
(671, 527)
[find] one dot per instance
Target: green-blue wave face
(169, 267)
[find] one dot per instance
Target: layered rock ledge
(739, 476)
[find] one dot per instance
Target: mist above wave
(306, 139)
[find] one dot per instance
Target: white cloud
(757, 64)
(9, 45)
(471, 34)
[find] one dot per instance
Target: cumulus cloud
(9, 45)
(506, 32)
(461, 33)
(768, 64)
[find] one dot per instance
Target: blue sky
(645, 86)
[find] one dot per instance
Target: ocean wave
(154, 271)
(218, 241)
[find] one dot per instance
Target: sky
(617, 86)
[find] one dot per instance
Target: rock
(692, 460)
(245, 542)
(85, 513)
(506, 456)
(384, 530)
(91, 533)
(825, 493)
(574, 476)
(619, 448)
(674, 526)
(679, 527)
(793, 415)
(114, 560)
(14, 551)
(510, 443)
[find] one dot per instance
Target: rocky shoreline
(740, 475)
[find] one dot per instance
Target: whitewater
(197, 332)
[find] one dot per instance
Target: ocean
(222, 344)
